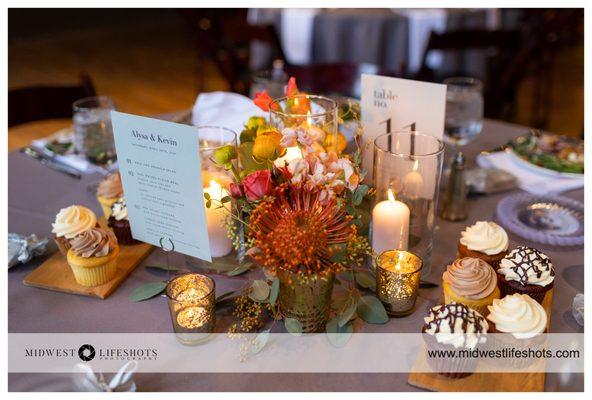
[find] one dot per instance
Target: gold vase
(306, 299)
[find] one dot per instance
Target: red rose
(263, 100)
(236, 190)
(257, 184)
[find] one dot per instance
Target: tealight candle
(220, 243)
(292, 153)
(192, 301)
(390, 225)
(397, 280)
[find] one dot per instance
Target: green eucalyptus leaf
(371, 310)
(260, 341)
(241, 269)
(339, 335)
(224, 296)
(147, 291)
(225, 199)
(275, 290)
(293, 326)
(359, 194)
(348, 313)
(365, 280)
(162, 267)
(259, 290)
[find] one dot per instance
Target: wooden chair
(45, 101)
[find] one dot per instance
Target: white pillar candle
(413, 183)
(390, 225)
(220, 243)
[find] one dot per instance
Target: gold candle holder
(397, 281)
(192, 300)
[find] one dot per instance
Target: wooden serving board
(56, 274)
(480, 382)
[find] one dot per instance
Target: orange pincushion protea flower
(298, 233)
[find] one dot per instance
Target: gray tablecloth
(36, 193)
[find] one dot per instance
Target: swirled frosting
(472, 278)
(519, 315)
(527, 266)
(119, 209)
(72, 221)
(110, 187)
(456, 324)
(486, 237)
(95, 242)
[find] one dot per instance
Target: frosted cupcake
(93, 257)
(485, 240)
(119, 222)
(70, 222)
(109, 191)
(472, 282)
(454, 326)
(528, 271)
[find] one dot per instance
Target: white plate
(535, 168)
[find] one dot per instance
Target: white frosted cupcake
(485, 240)
(70, 222)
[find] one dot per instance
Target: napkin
(296, 34)
(225, 109)
(529, 180)
(86, 380)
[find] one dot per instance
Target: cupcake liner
(500, 340)
(479, 305)
(493, 260)
(123, 232)
(62, 243)
(87, 274)
(536, 292)
(453, 368)
(106, 205)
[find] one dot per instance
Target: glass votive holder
(316, 116)
(93, 132)
(192, 303)
(397, 281)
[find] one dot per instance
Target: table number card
(161, 175)
(393, 104)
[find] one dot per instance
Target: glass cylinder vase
(407, 169)
(216, 181)
(312, 121)
(306, 298)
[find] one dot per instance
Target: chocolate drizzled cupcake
(454, 326)
(119, 223)
(527, 271)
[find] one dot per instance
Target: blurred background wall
(154, 61)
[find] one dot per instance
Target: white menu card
(161, 175)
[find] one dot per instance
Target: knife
(51, 162)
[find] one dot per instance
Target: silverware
(51, 162)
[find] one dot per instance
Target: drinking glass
(93, 133)
(464, 110)
(273, 80)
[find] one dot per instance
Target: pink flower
(236, 190)
(298, 169)
(263, 100)
(257, 184)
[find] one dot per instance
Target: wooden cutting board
(481, 382)
(55, 273)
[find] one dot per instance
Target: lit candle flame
(308, 119)
(390, 195)
(416, 165)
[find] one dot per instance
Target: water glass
(464, 110)
(93, 133)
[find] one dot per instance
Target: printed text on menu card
(393, 104)
(161, 175)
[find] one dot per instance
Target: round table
(36, 193)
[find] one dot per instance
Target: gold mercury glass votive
(397, 281)
(192, 300)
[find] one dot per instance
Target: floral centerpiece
(295, 201)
